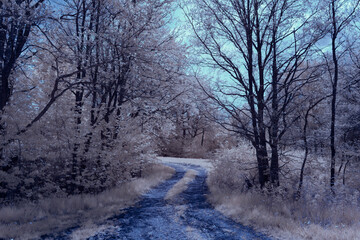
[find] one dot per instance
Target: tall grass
(316, 215)
(31, 220)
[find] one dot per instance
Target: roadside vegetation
(29, 220)
(279, 212)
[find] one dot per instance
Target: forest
(93, 91)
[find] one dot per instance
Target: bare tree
(340, 14)
(260, 46)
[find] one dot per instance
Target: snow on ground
(205, 163)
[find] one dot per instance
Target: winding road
(186, 216)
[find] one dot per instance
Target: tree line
(89, 88)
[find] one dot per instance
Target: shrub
(277, 211)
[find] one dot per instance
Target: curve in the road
(210, 223)
(187, 216)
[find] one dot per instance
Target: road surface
(186, 216)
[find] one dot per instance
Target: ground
(167, 212)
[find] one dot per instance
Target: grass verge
(31, 220)
(285, 220)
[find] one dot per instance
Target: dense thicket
(88, 90)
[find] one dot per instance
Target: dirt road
(186, 216)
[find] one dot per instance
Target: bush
(277, 211)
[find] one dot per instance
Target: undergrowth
(32, 219)
(318, 214)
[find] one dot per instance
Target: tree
(16, 20)
(109, 67)
(260, 46)
(340, 14)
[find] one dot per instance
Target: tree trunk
(274, 167)
(306, 143)
(259, 140)
(75, 170)
(263, 155)
(334, 95)
(202, 137)
(298, 194)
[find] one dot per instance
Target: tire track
(186, 216)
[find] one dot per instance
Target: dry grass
(315, 216)
(88, 230)
(181, 185)
(282, 220)
(31, 220)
